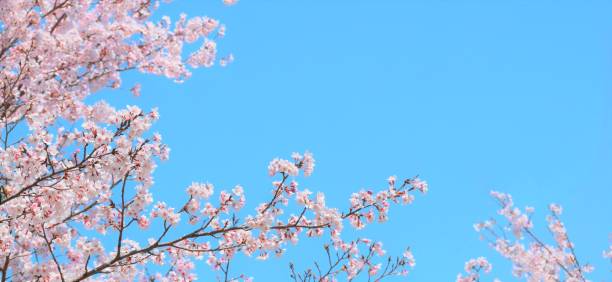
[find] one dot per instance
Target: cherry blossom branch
(200, 233)
(57, 264)
(5, 266)
(539, 261)
(348, 260)
(473, 267)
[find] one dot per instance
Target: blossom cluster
(473, 267)
(531, 257)
(366, 206)
(353, 258)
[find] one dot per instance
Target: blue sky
(471, 95)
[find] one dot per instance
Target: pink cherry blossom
(136, 90)
(230, 2)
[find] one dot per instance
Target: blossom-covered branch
(76, 178)
(532, 258)
(348, 260)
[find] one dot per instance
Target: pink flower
(374, 269)
(409, 258)
(143, 222)
(200, 191)
(555, 209)
(419, 185)
(136, 90)
(308, 163)
(282, 166)
(391, 180)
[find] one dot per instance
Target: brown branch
(59, 268)
(121, 227)
(5, 267)
(57, 23)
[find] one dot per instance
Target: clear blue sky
(472, 95)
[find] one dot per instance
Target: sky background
(473, 96)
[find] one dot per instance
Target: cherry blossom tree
(76, 178)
